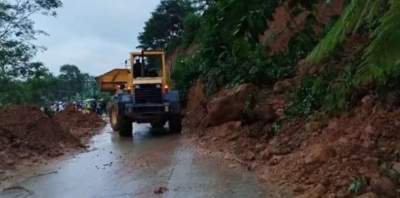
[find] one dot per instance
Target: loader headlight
(137, 86)
(158, 86)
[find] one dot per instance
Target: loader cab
(149, 76)
(147, 66)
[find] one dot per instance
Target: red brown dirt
(196, 109)
(312, 158)
(79, 124)
(285, 25)
(357, 144)
(28, 133)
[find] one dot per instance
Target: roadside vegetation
(24, 81)
(234, 44)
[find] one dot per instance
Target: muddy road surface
(149, 165)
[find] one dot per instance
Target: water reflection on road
(125, 167)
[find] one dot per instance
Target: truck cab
(142, 94)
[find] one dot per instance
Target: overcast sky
(96, 35)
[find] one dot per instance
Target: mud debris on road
(79, 124)
(160, 190)
(29, 136)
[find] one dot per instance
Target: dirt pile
(196, 109)
(79, 124)
(27, 133)
(228, 105)
(352, 154)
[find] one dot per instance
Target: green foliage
(16, 32)
(41, 87)
(276, 128)
(340, 91)
(309, 97)
(331, 92)
(185, 73)
(73, 79)
(382, 56)
(229, 52)
(358, 185)
(191, 25)
(165, 25)
(228, 49)
(359, 16)
(377, 63)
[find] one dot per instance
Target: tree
(72, 80)
(17, 31)
(165, 25)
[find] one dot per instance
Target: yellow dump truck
(142, 94)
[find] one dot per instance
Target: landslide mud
(79, 124)
(29, 137)
(350, 154)
(28, 133)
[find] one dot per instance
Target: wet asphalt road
(124, 167)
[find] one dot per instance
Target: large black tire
(125, 127)
(157, 125)
(175, 124)
(120, 123)
(115, 118)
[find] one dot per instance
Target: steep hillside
(308, 99)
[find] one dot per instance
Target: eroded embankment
(354, 153)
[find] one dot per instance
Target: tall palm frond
(356, 14)
(382, 57)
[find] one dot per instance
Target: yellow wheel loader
(142, 94)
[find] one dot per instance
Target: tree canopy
(165, 25)
(17, 31)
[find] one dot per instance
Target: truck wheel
(125, 127)
(175, 124)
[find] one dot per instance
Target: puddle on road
(126, 167)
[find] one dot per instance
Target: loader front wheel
(126, 127)
(120, 123)
(115, 118)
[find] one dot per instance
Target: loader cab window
(148, 66)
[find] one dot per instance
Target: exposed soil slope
(354, 153)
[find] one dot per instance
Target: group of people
(99, 107)
(57, 106)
